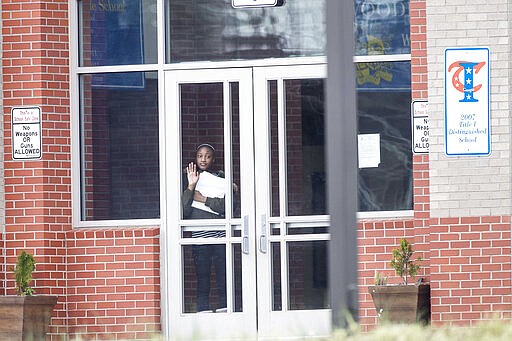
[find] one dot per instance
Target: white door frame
(210, 325)
(257, 320)
(283, 323)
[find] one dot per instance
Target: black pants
(204, 256)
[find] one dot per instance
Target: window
(383, 104)
(117, 32)
(383, 111)
(205, 30)
(382, 27)
(118, 110)
(119, 146)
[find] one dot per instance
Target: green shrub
(25, 265)
(402, 263)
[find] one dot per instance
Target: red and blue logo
(466, 85)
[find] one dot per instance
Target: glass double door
(247, 231)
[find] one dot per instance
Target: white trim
(118, 223)
(382, 58)
(164, 252)
(74, 108)
(74, 131)
(274, 62)
(385, 215)
(204, 65)
(325, 219)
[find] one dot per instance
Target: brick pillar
(38, 192)
(419, 91)
(2, 187)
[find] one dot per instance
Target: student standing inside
(213, 208)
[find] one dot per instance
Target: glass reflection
(274, 148)
(307, 275)
(204, 290)
(117, 32)
(119, 146)
(235, 150)
(305, 145)
(382, 27)
(383, 110)
(237, 278)
(214, 30)
(202, 122)
(275, 249)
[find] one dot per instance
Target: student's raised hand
(192, 176)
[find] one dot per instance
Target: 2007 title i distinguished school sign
(467, 103)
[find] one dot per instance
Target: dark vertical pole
(342, 161)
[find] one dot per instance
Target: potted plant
(25, 316)
(405, 302)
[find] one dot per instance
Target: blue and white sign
(467, 101)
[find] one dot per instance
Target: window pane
(117, 32)
(204, 278)
(214, 30)
(384, 112)
(305, 144)
(119, 147)
(307, 275)
(382, 27)
(274, 148)
(202, 121)
(235, 149)
(275, 250)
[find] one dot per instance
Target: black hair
(205, 145)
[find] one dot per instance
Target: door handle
(263, 234)
(245, 235)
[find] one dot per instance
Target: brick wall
(470, 269)
(470, 197)
(113, 283)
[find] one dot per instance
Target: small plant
(402, 262)
(380, 279)
(25, 265)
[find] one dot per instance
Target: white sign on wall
(368, 150)
(26, 133)
(420, 131)
(467, 119)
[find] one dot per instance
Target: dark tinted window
(119, 146)
(383, 110)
